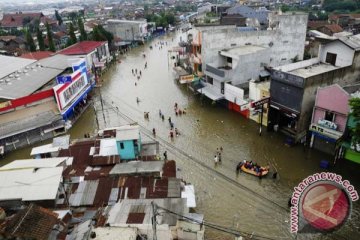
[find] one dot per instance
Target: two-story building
(293, 86)
(127, 30)
(329, 118)
(233, 55)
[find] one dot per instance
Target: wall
(344, 53)
(126, 31)
(128, 152)
(286, 40)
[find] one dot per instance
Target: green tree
(355, 111)
(83, 34)
(58, 18)
(100, 34)
(50, 38)
(40, 39)
(30, 42)
(285, 8)
(72, 38)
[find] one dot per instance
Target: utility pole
(154, 220)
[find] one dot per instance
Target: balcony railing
(221, 73)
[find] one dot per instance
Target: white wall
(285, 41)
(345, 54)
(234, 94)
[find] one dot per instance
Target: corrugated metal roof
(115, 233)
(108, 147)
(119, 213)
(189, 195)
(11, 64)
(80, 232)
(137, 167)
(114, 195)
(30, 184)
(174, 188)
(84, 194)
(34, 163)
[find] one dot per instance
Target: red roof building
(37, 55)
(82, 48)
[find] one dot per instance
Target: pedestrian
(154, 132)
(135, 70)
(160, 113)
(171, 125)
(165, 155)
(132, 70)
(176, 112)
(216, 159)
(177, 132)
(171, 134)
(145, 65)
(137, 100)
(176, 106)
(140, 72)
(169, 119)
(221, 149)
(163, 117)
(135, 84)
(219, 156)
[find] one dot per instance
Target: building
(36, 103)
(261, 14)
(233, 19)
(17, 21)
(330, 29)
(12, 45)
(96, 54)
(232, 56)
(128, 142)
(128, 31)
(293, 87)
(329, 118)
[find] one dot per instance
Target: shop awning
(211, 92)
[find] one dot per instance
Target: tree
(58, 17)
(30, 42)
(73, 38)
(50, 38)
(40, 39)
(83, 34)
(355, 108)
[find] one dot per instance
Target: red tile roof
(81, 48)
(334, 28)
(33, 222)
(16, 20)
(37, 55)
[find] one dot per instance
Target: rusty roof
(169, 169)
(33, 222)
(135, 218)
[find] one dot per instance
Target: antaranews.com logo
(321, 203)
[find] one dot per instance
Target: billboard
(67, 92)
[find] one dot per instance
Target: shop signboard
(186, 79)
(325, 131)
(260, 102)
(63, 79)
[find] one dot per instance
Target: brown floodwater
(241, 202)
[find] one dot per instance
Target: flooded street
(242, 202)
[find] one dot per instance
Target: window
(121, 145)
(229, 59)
(331, 58)
(210, 80)
(329, 116)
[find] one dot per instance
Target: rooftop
(125, 21)
(36, 163)
(25, 79)
(81, 48)
(23, 183)
(12, 64)
(115, 233)
(242, 50)
(57, 144)
(137, 167)
(127, 132)
(37, 55)
(119, 214)
(33, 222)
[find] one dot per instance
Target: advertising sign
(186, 79)
(325, 131)
(260, 102)
(79, 65)
(63, 79)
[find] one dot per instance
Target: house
(233, 19)
(128, 142)
(234, 56)
(96, 54)
(12, 45)
(330, 29)
(32, 222)
(293, 86)
(328, 123)
(19, 20)
(128, 30)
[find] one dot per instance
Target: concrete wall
(344, 53)
(128, 31)
(286, 39)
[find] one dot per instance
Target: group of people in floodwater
(217, 158)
